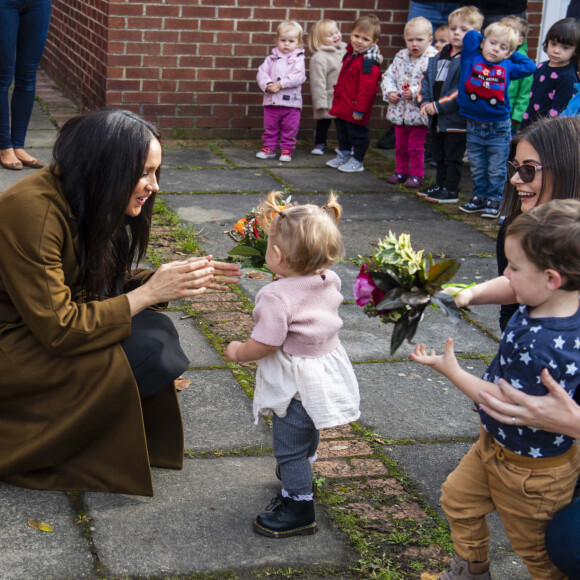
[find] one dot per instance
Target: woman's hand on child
(394, 97)
(445, 363)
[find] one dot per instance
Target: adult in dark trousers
(545, 165)
(87, 363)
(494, 10)
(23, 32)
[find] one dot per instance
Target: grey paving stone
(326, 178)
(405, 400)
(246, 157)
(30, 554)
(218, 180)
(191, 157)
(200, 521)
(194, 343)
(217, 414)
(429, 475)
(40, 138)
(438, 236)
(366, 339)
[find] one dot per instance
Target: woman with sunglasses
(544, 165)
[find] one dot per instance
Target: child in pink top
(281, 77)
(305, 379)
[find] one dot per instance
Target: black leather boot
(287, 517)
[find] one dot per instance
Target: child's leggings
(282, 123)
(410, 149)
(295, 440)
(322, 127)
(526, 492)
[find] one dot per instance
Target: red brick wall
(189, 66)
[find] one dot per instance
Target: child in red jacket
(354, 94)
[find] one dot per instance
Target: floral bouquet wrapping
(252, 240)
(397, 284)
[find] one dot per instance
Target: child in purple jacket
(281, 77)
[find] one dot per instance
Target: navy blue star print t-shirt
(527, 346)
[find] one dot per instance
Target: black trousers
(322, 127)
(448, 150)
(352, 135)
(154, 352)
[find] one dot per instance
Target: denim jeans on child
(295, 440)
(23, 32)
(488, 147)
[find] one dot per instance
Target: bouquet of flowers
(252, 240)
(397, 284)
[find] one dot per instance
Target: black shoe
(492, 208)
(475, 205)
(287, 517)
(443, 196)
(429, 190)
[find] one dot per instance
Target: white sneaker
(318, 150)
(266, 153)
(352, 166)
(340, 159)
(286, 156)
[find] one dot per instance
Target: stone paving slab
(206, 527)
(429, 475)
(246, 157)
(454, 239)
(326, 178)
(40, 138)
(367, 339)
(193, 342)
(191, 157)
(218, 180)
(30, 554)
(406, 400)
(217, 414)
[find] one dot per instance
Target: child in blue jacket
(487, 65)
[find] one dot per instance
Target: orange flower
(239, 227)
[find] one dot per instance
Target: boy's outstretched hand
(445, 363)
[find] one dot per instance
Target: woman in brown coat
(87, 400)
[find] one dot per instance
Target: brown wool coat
(70, 413)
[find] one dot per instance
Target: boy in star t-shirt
(526, 474)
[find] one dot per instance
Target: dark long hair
(565, 31)
(557, 142)
(98, 160)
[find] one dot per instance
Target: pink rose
(363, 287)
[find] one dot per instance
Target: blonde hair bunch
(307, 234)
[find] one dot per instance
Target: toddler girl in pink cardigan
(305, 379)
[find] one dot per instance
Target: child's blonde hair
(520, 24)
(505, 30)
(308, 235)
(470, 14)
(319, 31)
(421, 23)
(369, 22)
(290, 25)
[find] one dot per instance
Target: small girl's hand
(231, 351)
(357, 116)
(407, 94)
(394, 97)
(274, 87)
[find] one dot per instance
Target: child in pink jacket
(281, 77)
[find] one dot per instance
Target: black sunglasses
(527, 171)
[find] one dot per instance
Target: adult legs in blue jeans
(23, 32)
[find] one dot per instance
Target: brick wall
(189, 66)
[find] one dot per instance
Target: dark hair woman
(87, 362)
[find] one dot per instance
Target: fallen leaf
(427, 576)
(181, 384)
(40, 526)
(338, 447)
(256, 275)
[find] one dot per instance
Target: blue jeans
(488, 148)
(563, 540)
(23, 32)
(436, 12)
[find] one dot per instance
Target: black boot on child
(287, 517)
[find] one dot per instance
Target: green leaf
(415, 297)
(391, 300)
(441, 273)
(244, 251)
(386, 280)
(406, 327)
(447, 304)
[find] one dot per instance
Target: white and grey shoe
(352, 166)
(340, 159)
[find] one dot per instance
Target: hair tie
(282, 215)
